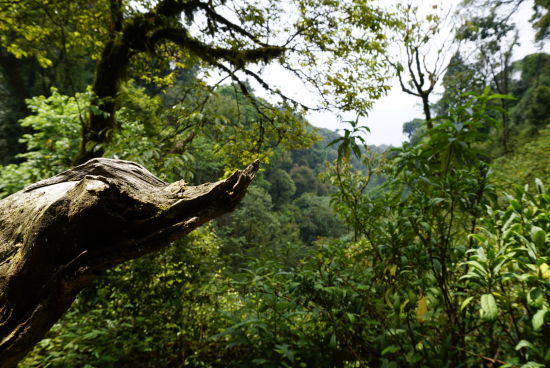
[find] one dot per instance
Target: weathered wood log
(57, 235)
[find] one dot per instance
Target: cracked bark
(57, 235)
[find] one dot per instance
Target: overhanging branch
(57, 235)
(208, 53)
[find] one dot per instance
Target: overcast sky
(386, 118)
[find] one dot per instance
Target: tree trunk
(427, 113)
(57, 235)
(101, 124)
(14, 106)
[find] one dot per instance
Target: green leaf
(538, 236)
(539, 186)
(332, 343)
(535, 297)
(466, 302)
(523, 344)
(489, 308)
(356, 151)
(532, 365)
(477, 266)
(335, 141)
(538, 318)
(425, 226)
(284, 350)
(435, 201)
(390, 349)
(498, 96)
(515, 204)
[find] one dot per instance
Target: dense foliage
(432, 254)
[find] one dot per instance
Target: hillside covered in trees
(342, 253)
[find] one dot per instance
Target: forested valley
(342, 253)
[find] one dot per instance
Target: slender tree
(422, 65)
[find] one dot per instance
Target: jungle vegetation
(342, 254)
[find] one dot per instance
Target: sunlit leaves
(38, 29)
(342, 53)
(538, 318)
(52, 141)
(489, 309)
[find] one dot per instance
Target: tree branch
(59, 234)
(239, 58)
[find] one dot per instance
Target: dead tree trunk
(57, 235)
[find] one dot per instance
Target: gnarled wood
(57, 235)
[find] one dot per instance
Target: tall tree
(422, 65)
(494, 41)
(460, 77)
(313, 41)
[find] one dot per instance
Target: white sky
(386, 118)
